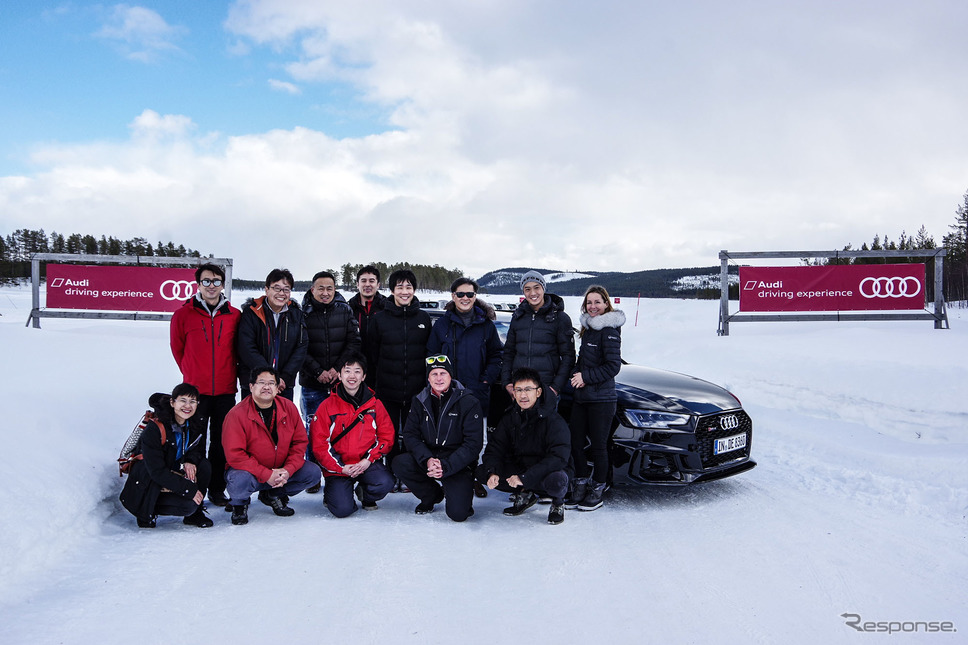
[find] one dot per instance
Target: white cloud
(140, 33)
(151, 124)
(284, 86)
(606, 136)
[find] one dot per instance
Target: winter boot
(423, 508)
(277, 503)
(557, 514)
(593, 496)
(576, 492)
(218, 497)
(146, 523)
(240, 514)
(521, 504)
(199, 519)
(368, 505)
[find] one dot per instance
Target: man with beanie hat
(443, 435)
(540, 336)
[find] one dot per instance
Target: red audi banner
(118, 288)
(849, 287)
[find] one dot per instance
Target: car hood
(654, 389)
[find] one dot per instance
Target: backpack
(131, 451)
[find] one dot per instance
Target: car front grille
(718, 426)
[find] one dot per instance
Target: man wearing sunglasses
(467, 335)
(203, 343)
(272, 334)
(443, 435)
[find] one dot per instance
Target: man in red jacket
(265, 446)
(352, 432)
(203, 344)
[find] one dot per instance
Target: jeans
(240, 484)
(375, 482)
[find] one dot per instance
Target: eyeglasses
(285, 290)
(186, 401)
(205, 282)
(525, 390)
(464, 294)
(266, 383)
(440, 358)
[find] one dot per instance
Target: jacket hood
(199, 302)
(309, 303)
(393, 308)
(614, 318)
(553, 304)
(258, 305)
(481, 309)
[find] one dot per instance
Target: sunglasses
(211, 283)
(464, 294)
(440, 358)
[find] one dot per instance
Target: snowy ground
(858, 506)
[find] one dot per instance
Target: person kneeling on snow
(443, 435)
(528, 452)
(172, 476)
(352, 432)
(265, 448)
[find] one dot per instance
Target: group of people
(390, 401)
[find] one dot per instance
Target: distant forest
(16, 249)
(700, 282)
(431, 278)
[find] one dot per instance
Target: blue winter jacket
(475, 349)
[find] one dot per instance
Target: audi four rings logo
(897, 287)
(177, 289)
(729, 422)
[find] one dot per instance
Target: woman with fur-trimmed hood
(595, 400)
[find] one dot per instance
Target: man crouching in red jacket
(351, 433)
(265, 446)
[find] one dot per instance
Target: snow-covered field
(858, 506)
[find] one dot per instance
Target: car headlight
(654, 419)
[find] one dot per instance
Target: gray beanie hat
(532, 276)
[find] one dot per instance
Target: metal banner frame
(37, 312)
(939, 316)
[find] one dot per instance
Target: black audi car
(669, 428)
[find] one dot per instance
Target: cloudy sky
(483, 134)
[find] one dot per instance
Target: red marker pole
(638, 301)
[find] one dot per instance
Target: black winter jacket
(528, 443)
(260, 343)
(332, 334)
(600, 357)
(158, 468)
(363, 319)
(455, 437)
(542, 340)
(398, 342)
(475, 350)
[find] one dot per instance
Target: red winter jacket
(204, 346)
(371, 438)
(248, 443)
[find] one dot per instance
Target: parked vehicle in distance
(669, 428)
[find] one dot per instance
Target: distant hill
(695, 282)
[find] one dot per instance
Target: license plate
(729, 444)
